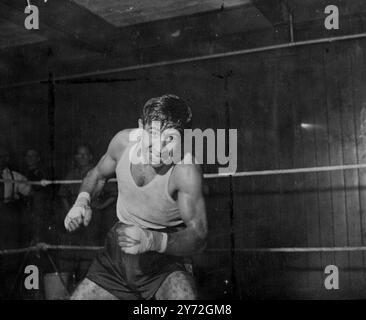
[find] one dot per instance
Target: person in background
(34, 170)
(11, 192)
(83, 163)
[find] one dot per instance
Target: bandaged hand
(80, 213)
(135, 240)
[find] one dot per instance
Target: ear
(141, 126)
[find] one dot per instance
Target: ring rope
(287, 171)
(294, 249)
(44, 247)
(45, 183)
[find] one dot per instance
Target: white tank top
(148, 206)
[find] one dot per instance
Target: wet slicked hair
(170, 110)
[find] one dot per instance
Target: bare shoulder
(188, 175)
(124, 137)
(119, 142)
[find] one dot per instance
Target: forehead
(83, 149)
(154, 125)
(32, 153)
(158, 126)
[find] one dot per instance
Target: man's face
(158, 144)
(83, 157)
(4, 159)
(32, 159)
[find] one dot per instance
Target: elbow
(92, 173)
(94, 176)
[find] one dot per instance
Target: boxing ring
(45, 248)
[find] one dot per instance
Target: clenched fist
(80, 213)
(135, 240)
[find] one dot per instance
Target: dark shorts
(132, 277)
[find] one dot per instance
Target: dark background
(265, 96)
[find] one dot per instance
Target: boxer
(160, 208)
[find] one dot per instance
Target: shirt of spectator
(10, 191)
(83, 160)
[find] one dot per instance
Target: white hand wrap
(148, 240)
(79, 213)
(83, 199)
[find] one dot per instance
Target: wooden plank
(275, 11)
(259, 81)
(63, 20)
(310, 199)
(331, 74)
(345, 87)
(321, 132)
(240, 99)
(358, 63)
(120, 13)
(293, 214)
(300, 74)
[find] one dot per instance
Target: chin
(157, 165)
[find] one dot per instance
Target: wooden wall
(269, 96)
(24, 121)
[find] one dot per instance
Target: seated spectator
(33, 168)
(83, 163)
(11, 192)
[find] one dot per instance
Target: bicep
(106, 166)
(192, 208)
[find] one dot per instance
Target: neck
(162, 169)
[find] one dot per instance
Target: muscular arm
(95, 179)
(193, 212)
(93, 182)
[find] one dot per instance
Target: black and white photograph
(187, 150)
